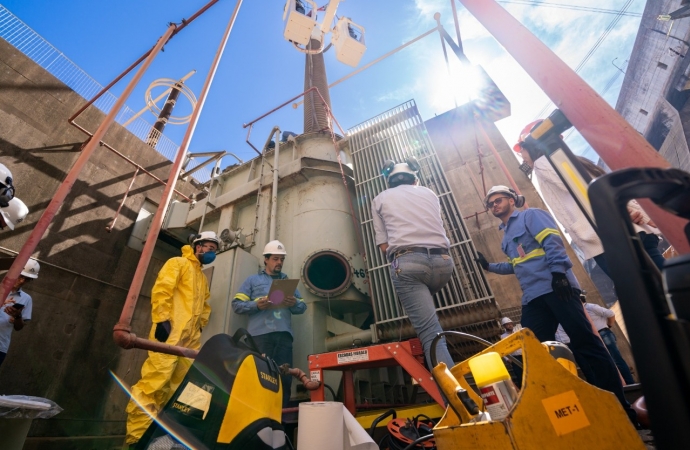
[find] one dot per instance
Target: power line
(594, 48)
(571, 7)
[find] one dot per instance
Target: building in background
(656, 87)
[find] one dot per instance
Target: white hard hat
(5, 175)
(6, 186)
(506, 320)
(498, 189)
(31, 268)
(401, 172)
(274, 248)
(15, 212)
(519, 199)
(209, 236)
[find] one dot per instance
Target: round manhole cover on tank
(327, 273)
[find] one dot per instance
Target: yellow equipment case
(230, 399)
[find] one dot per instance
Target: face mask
(207, 258)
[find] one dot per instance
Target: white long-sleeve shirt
(569, 214)
(566, 210)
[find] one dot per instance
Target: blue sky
(260, 69)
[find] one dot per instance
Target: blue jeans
(543, 314)
(417, 277)
(610, 341)
(650, 242)
(278, 347)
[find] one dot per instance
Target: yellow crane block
(554, 409)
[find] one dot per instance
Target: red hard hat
(524, 133)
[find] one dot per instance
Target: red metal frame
(122, 332)
(66, 186)
(381, 355)
(614, 140)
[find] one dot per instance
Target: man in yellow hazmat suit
(179, 311)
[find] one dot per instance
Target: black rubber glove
(561, 286)
(481, 260)
(162, 331)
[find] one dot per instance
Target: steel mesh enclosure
(466, 303)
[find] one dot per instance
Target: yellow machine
(554, 410)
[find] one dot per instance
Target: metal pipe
(274, 197)
(66, 186)
(177, 29)
(112, 149)
(249, 132)
(457, 23)
(323, 101)
(437, 17)
(260, 188)
(614, 140)
(122, 330)
(73, 272)
(109, 228)
(210, 190)
(346, 340)
(499, 160)
(377, 60)
(310, 385)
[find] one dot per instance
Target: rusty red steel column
(614, 140)
(66, 186)
(122, 331)
(110, 227)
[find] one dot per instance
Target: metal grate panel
(467, 298)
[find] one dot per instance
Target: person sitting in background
(509, 326)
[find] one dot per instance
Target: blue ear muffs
(413, 163)
(519, 199)
(387, 168)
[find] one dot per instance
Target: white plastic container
(494, 383)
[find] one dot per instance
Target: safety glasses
(497, 201)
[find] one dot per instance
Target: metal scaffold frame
(467, 299)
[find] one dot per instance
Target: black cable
(571, 7)
(335, 398)
(390, 412)
(416, 419)
(596, 45)
(471, 337)
(385, 436)
(419, 441)
(287, 440)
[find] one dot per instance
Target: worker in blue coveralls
(550, 291)
(270, 322)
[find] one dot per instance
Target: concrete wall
(463, 145)
(656, 65)
(66, 352)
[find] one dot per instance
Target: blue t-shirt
(268, 320)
